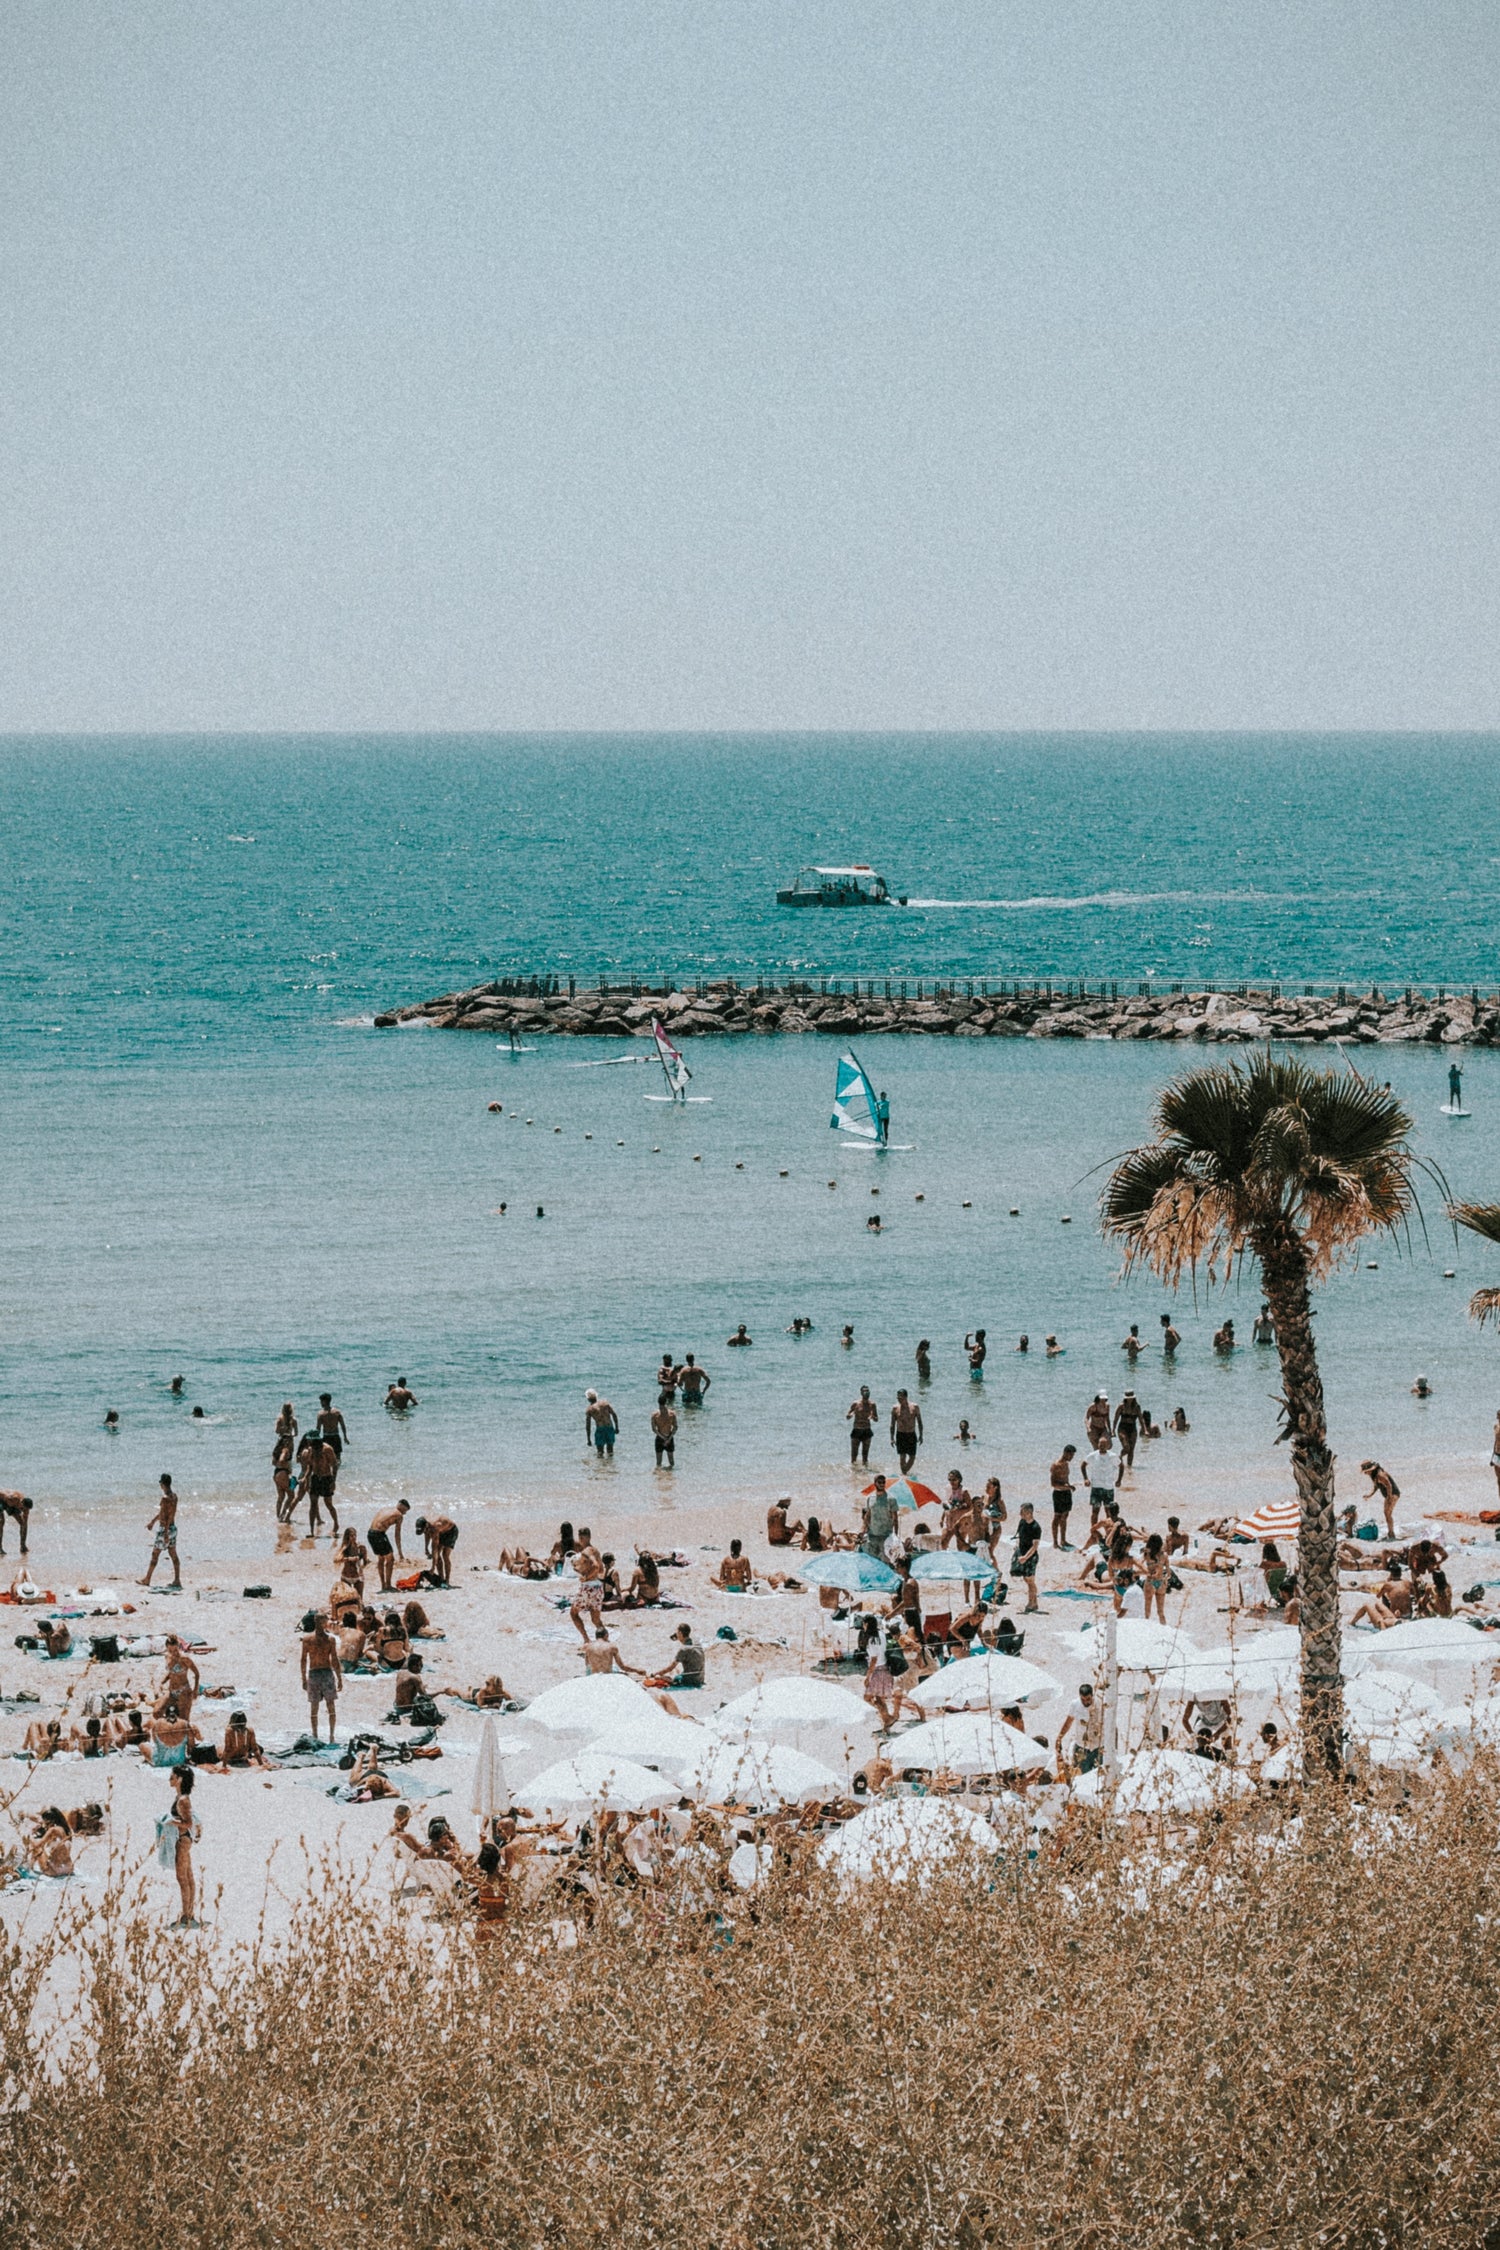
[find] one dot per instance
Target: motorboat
(838, 886)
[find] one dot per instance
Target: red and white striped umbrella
(1278, 1519)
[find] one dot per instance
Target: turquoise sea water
(215, 1167)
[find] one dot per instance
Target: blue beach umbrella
(851, 1571)
(952, 1567)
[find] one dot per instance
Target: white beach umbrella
(584, 1706)
(902, 1839)
(1400, 1745)
(1164, 1781)
(652, 1738)
(985, 1683)
(1141, 1645)
(1434, 1640)
(1378, 1699)
(792, 1699)
(491, 1793)
(758, 1773)
(592, 1782)
(967, 1742)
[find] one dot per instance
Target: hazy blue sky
(611, 365)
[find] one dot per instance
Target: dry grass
(1285, 2040)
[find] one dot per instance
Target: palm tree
(1294, 1167)
(1482, 1219)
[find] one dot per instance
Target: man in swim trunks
(740, 1336)
(18, 1508)
(693, 1381)
(779, 1532)
(1170, 1339)
(383, 1529)
(588, 1601)
(864, 1414)
(978, 1351)
(322, 1476)
(331, 1426)
(164, 1524)
(1061, 1477)
(441, 1535)
(906, 1431)
(880, 1519)
(601, 1423)
(664, 1432)
(399, 1398)
(322, 1674)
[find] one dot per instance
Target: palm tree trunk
(1283, 1265)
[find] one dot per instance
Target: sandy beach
(260, 1830)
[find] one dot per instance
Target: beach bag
(409, 1584)
(106, 1648)
(424, 1712)
(257, 1593)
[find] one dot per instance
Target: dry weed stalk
(1280, 2037)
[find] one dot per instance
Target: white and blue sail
(857, 1109)
(678, 1075)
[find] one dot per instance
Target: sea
(215, 1167)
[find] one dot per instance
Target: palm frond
(1480, 1218)
(1484, 1306)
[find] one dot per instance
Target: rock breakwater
(970, 1009)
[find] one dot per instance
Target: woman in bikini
(181, 1819)
(1157, 1573)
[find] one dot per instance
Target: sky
(746, 365)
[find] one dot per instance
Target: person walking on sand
(906, 1431)
(1101, 1473)
(164, 1524)
(385, 1528)
(322, 1673)
(1027, 1553)
(601, 1424)
(863, 1414)
(179, 1833)
(588, 1601)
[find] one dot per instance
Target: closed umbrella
(851, 1571)
(592, 1782)
(491, 1794)
(985, 1683)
